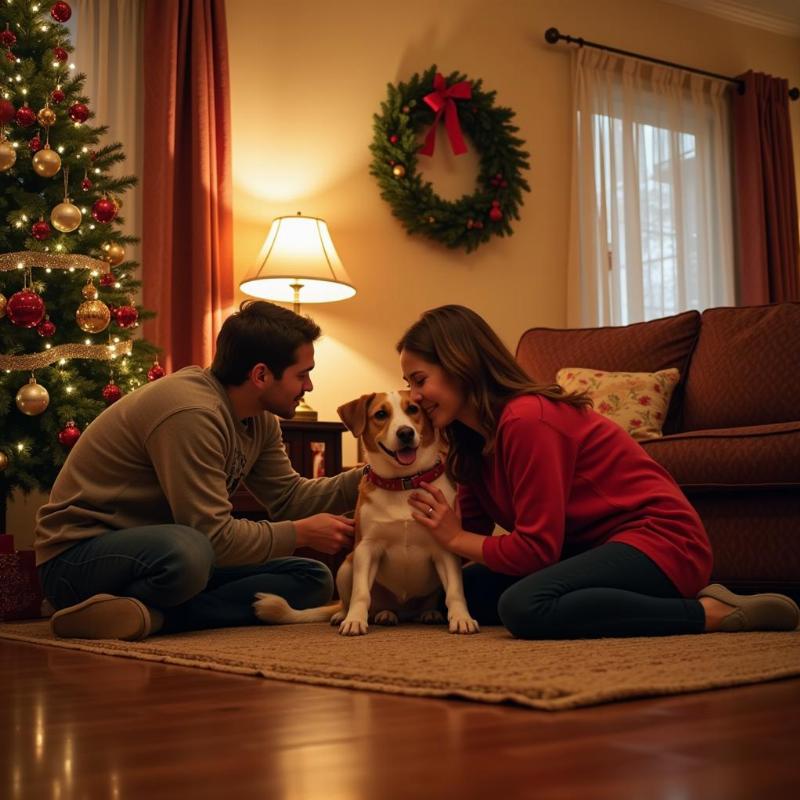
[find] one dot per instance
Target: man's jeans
(171, 568)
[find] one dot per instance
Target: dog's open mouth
(405, 456)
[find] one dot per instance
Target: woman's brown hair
(471, 354)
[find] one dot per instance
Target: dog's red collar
(404, 484)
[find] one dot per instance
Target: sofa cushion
(636, 401)
(756, 456)
(642, 347)
(745, 369)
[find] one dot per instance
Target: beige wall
(306, 78)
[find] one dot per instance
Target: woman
(601, 540)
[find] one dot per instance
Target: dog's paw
(386, 618)
(463, 625)
(353, 627)
(338, 617)
(431, 617)
(271, 607)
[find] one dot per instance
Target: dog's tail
(274, 609)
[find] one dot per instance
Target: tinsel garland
(98, 352)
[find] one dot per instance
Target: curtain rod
(552, 36)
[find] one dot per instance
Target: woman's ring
(429, 511)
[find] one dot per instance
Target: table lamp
(298, 263)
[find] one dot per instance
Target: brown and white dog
(396, 567)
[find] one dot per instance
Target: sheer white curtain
(651, 231)
(107, 35)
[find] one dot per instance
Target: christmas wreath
(463, 105)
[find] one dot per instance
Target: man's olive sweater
(174, 452)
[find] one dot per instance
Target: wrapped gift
(20, 592)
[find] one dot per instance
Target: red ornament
(25, 116)
(155, 372)
(57, 96)
(10, 57)
(86, 184)
(61, 11)
(8, 38)
(41, 230)
(393, 139)
(25, 309)
(46, 329)
(495, 214)
(7, 111)
(35, 144)
(104, 210)
(111, 392)
(61, 54)
(107, 279)
(78, 112)
(125, 316)
(69, 435)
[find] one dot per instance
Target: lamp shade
(298, 251)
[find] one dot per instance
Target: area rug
(490, 667)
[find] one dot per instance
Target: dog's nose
(405, 435)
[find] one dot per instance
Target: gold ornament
(8, 155)
(89, 291)
(3, 461)
(46, 116)
(116, 200)
(93, 316)
(66, 217)
(113, 253)
(47, 162)
(398, 170)
(32, 399)
(3, 302)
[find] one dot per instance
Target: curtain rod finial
(551, 35)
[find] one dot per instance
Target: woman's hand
(432, 510)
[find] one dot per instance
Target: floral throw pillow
(636, 401)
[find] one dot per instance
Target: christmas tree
(67, 310)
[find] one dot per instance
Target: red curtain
(187, 243)
(766, 196)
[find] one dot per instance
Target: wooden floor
(74, 725)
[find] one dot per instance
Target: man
(138, 535)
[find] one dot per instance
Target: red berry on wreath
(41, 230)
(61, 11)
(57, 96)
(8, 38)
(69, 435)
(104, 210)
(78, 112)
(25, 116)
(495, 214)
(46, 329)
(60, 54)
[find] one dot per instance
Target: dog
(397, 567)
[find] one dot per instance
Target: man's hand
(327, 533)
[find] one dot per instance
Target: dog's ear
(354, 414)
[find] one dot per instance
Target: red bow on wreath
(443, 101)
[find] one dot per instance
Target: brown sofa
(732, 434)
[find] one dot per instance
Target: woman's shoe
(755, 612)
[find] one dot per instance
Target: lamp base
(304, 411)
